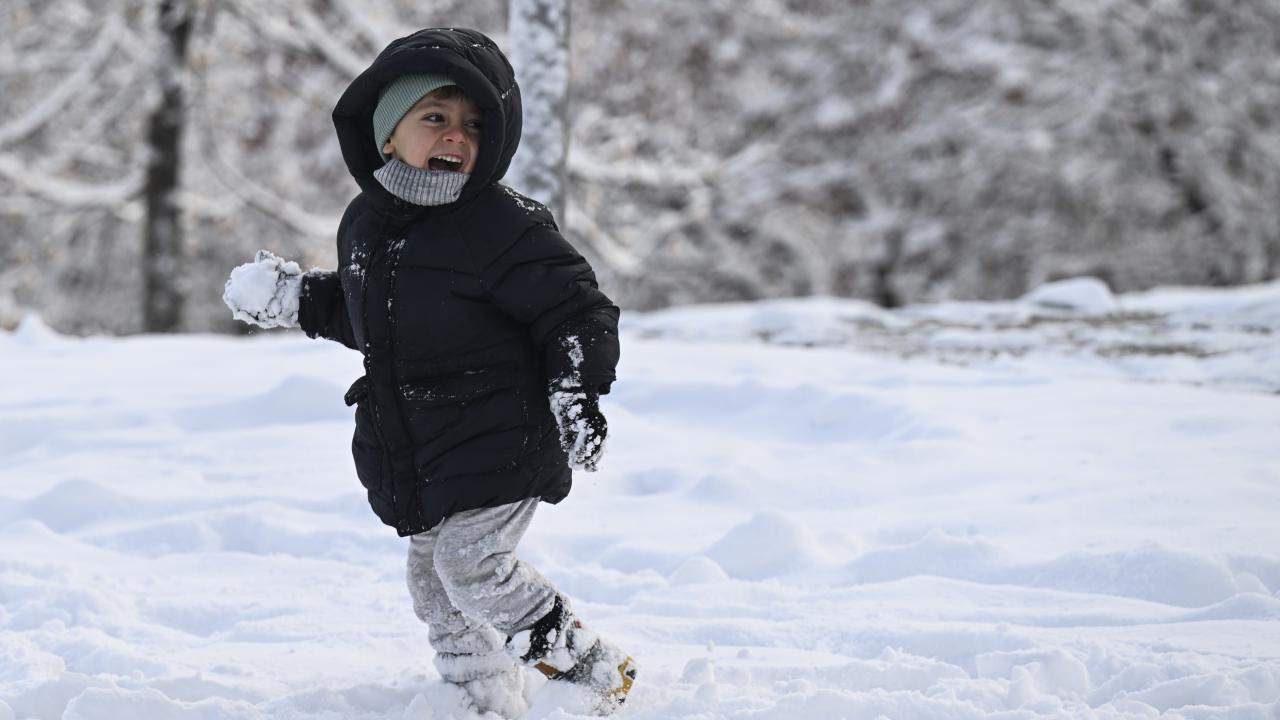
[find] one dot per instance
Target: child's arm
(322, 308)
(271, 292)
(322, 304)
(544, 283)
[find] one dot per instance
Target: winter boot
(562, 648)
(491, 681)
(501, 694)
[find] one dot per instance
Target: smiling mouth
(451, 163)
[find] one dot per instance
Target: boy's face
(438, 134)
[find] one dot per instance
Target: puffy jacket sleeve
(322, 305)
(545, 284)
(322, 308)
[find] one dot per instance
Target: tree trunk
(162, 244)
(539, 39)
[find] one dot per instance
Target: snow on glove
(582, 426)
(265, 292)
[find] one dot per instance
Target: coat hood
(474, 63)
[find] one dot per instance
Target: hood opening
(474, 63)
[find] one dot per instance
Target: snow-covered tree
(260, 166)
(76, 80)
(538, 36)
(903, 153)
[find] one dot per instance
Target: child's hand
(265, 292)
(582, 426)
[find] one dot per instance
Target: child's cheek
(414, 156)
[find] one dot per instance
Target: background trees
(720, 150)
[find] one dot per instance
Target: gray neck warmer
(419, 186)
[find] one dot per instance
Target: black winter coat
(465, 313)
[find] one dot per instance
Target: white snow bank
(1258, 305)
(1083, 294)
(1228, 338)
(32, 331)
(1171, 577)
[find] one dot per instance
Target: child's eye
(475, 124)
(433, 117)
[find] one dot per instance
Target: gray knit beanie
(396, 99)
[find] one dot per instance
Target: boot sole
(614, 699)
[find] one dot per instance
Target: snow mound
(1244, 606)
(1151, 573)
(1264, 570)
(811, 321)
(295, 399)
(49, 699)
(696, 570)
(1053, 672)
(1257, 306)
(937, 553)
(33, 332)
(1154, 573)
(77, 503)
(1085, 294)
(802, 413)
(770, 544)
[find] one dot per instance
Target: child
(486, 345)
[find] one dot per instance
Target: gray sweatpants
(472, 591)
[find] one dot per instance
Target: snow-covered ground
(1065, 507)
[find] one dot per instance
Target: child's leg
(475, 558)
(469, 652)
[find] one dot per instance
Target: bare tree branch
(366, 18)
(71, 193)
(43, 111)
(261, 197)
(300, 30)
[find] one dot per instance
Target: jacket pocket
(370, 456)
(449, 409)
(460, 387)
(358, 391)
(466, 422)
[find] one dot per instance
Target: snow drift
(808, 509)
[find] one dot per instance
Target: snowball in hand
(583, 427)
(265, 292)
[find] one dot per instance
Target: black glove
(582, 427)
